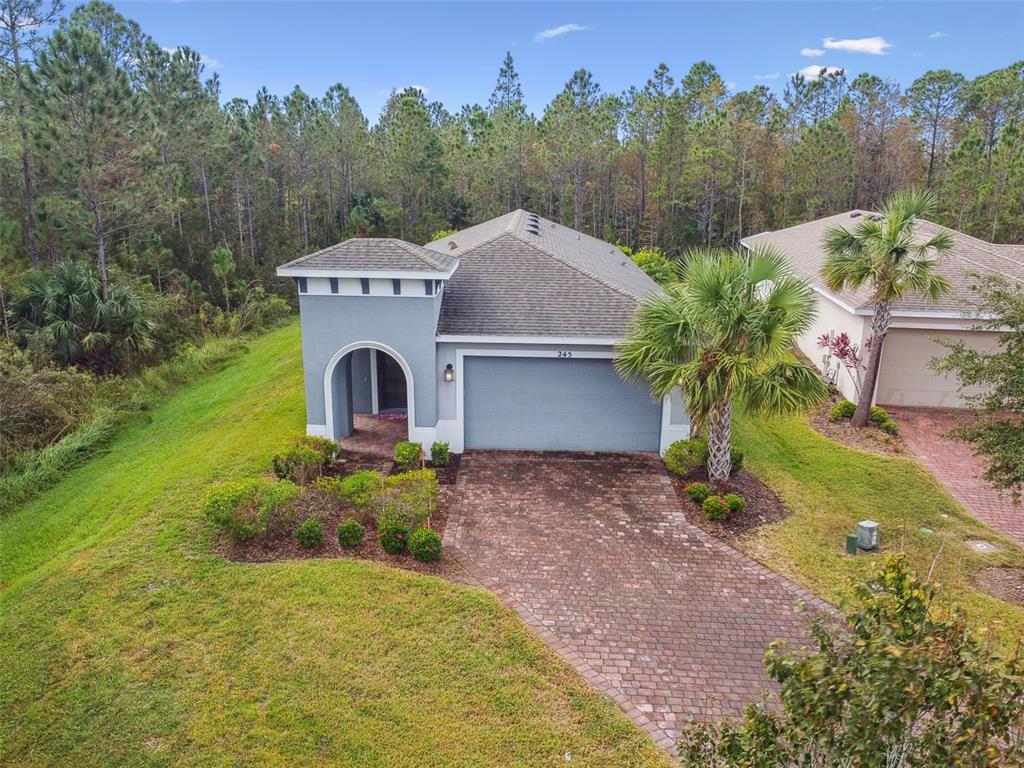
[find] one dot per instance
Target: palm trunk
(879, 327)
(719, 432)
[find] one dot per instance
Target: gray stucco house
(499, 336)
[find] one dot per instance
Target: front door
(391, 389)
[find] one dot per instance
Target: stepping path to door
(594, 552)
(955, 466)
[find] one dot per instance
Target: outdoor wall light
(449, 373)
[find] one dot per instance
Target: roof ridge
(577, 267)
(417, 251)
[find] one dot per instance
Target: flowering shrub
(247, 508)
(393, 536)
(697, 491)
(735, 502)
(425, 545)
(848, 354)
(300, 463)
(350, 534)
(715, 508)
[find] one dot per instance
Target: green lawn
(830, 488)
(126, 642)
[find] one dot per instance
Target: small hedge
(735, 502)
(877, 416)
(310, 533)
(697, 491)
(425, 545)
(360, 488)
(407, 498)
(439, 454)
(684, 456)
(842, 410)
(408, 455)
(350, 534)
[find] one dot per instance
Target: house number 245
(564, 353)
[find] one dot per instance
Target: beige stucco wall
(832, 317)
(906, 379)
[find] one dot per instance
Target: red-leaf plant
(848, 354)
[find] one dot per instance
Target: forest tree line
(120, 154)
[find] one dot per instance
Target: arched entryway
(367, 377)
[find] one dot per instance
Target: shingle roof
(521, 274)
(802, 246)
(376, 253)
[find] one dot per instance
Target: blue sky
(453, 50)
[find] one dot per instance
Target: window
(365, 283)
(396, 286)
(428, 286)
(334, 285)
(301, 282)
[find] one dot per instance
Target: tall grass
(120, 401)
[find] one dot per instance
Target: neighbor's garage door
(553, 404)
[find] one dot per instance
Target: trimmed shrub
(735, 502)
(842, 410)
(408, 455)
(350, 534)
(393, 536)
(684, 456)
(881, 419)
(300, 463)
(425, 545)
(890, 427)
(715, 508)
(310, 533)
(697, 491)
(735, 461)
(439, 454)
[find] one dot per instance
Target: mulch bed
(332, 513)
(1005, 583)
(866, 439)
(763, 506)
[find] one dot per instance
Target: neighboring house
(498, 336)
(904, 377)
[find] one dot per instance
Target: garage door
(551, 404)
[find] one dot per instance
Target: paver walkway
(595, 553)
(956, 467)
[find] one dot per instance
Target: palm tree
(223, 264)
(884, 253)
(723, 335)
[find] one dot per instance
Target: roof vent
(533, 230)
(452, 245)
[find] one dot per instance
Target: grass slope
(830, 487)
(126, 642)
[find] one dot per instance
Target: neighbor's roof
(802, 247)
(523, 275)
(360, 255)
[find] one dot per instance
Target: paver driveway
(595, 552)
(925, 431)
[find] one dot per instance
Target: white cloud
(207, 61)
(937, 35)
(768, 76)
(814, 71)
(731, 85)
(873, 45)
(917, 54)
(547, 34)
(811, 52)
